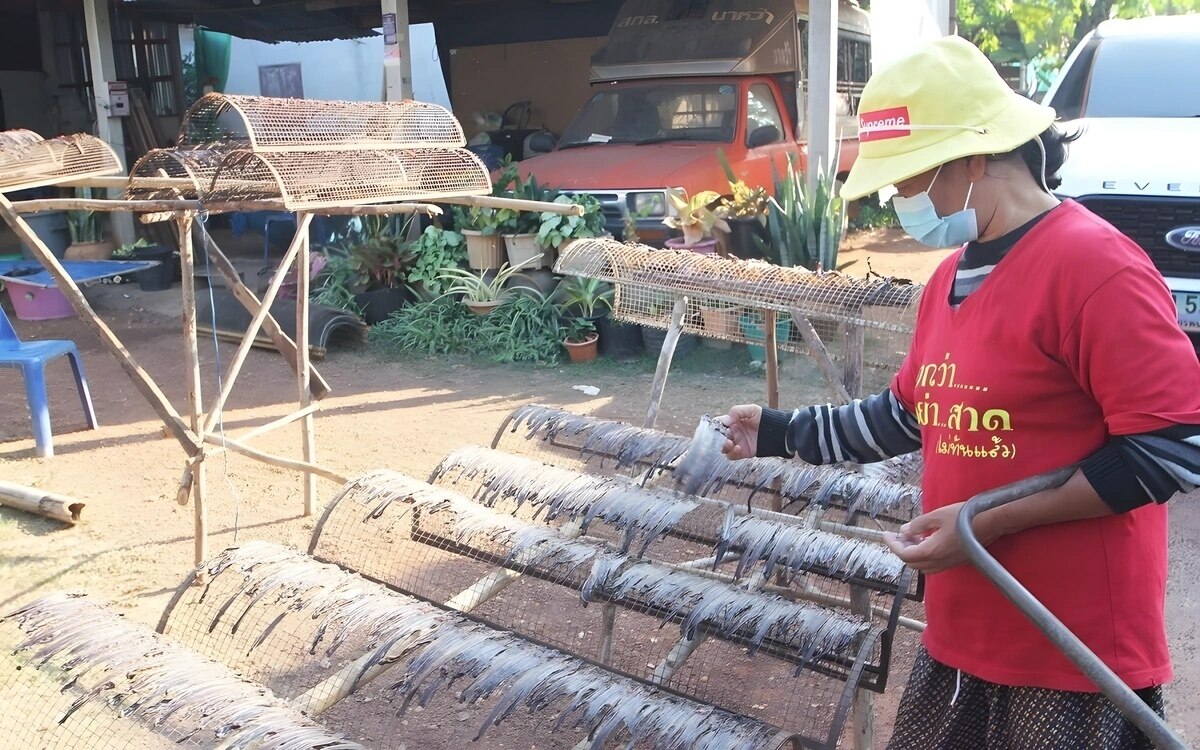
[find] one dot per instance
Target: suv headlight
(648, 204)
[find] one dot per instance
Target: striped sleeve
(1135, 470)
(862, 431)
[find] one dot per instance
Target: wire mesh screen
(263, 123)
(726, 298)
(882, 498)
(187, 174)
(362, 656)
(27, 160)
(738, 644)
(75, 674)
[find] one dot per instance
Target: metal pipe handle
(1127, 702)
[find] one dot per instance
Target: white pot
(522, 247)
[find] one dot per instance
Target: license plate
(1188, 305)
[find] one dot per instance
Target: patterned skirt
(943, 710)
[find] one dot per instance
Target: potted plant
(520, 228)
(579, 296)
(87, 233)
(557, 230)
(479, 227)
(754, 328)
(434, 251)
(697, 218)
(746, 213)
(659, 305)
(579, 338)
(480, 294)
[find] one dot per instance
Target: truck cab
(1131, 91)
(676, 82)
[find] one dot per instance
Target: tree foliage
(1046, 30)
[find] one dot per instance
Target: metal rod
(664, 361)
(1127, 702)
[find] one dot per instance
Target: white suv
(1133, 90)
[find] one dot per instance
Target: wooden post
(664, 361)
(148, 388)
(235, 367)
(191, 359)
(852, 359)
(307, 441)
(863, 712)
(772, 360)
(250, 301)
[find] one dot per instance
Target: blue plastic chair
(32, 357)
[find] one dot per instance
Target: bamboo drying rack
(678, 290)
(239, 153)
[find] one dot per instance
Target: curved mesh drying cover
(187, 174)
(723, 292)
(263, 123)
(317, 633)
(739, 645)
(74, 674)
(340, 178)
(27, 160)
(604, 446)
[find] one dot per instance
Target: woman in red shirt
(1047, 340)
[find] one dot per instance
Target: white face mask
(920, 219)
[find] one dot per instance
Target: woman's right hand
(741, 439)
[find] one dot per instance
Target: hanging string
(212, 307)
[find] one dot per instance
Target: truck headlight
(648, 204)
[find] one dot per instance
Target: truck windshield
(657, 112)
(1145, 77)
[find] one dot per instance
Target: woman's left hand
(930, 542)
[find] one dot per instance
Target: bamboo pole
(40, 502)
(771, 346)
(307, 440)
(852, 359)
(277, 423)
(191, 357)
(141, 380)
(821, 356)
(105, 204)
(863, 710)
(272, 460)
(490, 201)
(264, 308)
(250, 301)
(664, 361)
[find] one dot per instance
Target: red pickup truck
(676, 82)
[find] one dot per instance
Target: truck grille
(1146, 221)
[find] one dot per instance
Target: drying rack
(861, 322)
(247, 153)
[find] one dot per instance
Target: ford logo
(1186, 239)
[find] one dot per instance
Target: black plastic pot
(378, 305)
(619, 340)
(159, 277)
(741, 237)
(653, 339)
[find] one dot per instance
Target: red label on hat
(883, 124)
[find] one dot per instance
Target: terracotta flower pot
(483, 308)
(582, 351)
(705, 247)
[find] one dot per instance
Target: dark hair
(1055, 142)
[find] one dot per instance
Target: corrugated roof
(268, 21)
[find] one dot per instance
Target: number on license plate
(1188, 305)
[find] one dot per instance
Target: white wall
(350, 69)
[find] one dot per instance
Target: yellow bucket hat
(941, 103)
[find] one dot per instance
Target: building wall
(552, 75)
(350, 69)
(26, 105)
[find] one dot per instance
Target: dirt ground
(135, 544)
